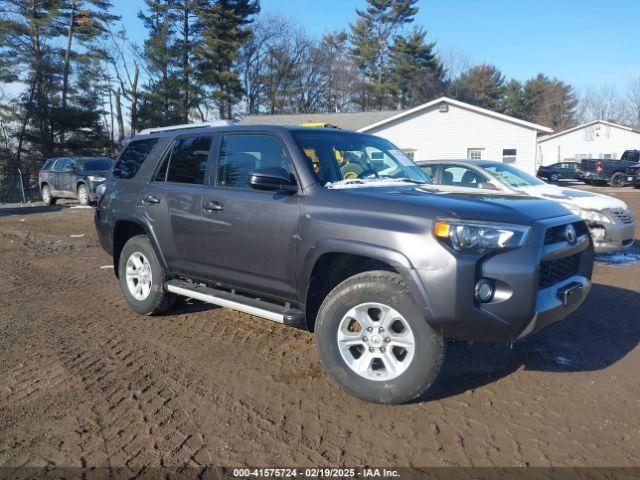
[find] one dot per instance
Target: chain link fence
(15, 187)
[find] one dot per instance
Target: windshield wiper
(405, 179)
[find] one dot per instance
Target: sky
(587, 43)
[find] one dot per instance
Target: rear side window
(132, 157)
(188, 161)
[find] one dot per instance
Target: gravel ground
(85, 382)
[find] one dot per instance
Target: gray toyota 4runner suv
(341, 233)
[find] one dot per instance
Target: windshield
(97, 165)
(354, 158)
(512, 176)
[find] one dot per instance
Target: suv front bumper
(525, 301)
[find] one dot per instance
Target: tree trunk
(119, 119)
(134, 98)
(67, 62)
(186, 101)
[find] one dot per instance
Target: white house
(597, 139)
(441, 129)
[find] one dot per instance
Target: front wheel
(374, 341)
(618, 180)
(142, 278)
(83, 195)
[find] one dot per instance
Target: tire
(555, 177)
(364, 293)
(153, 300)
(636, 185)
(83, 195)
(618, 180)
(47, 198)
(587, 182)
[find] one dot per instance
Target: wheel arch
(125, 229)
(330, 262)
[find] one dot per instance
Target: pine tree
(514, 103)
(417, 74)
(550, 102)
(372, 40)
(483, 85)
(224, 30)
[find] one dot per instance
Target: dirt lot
(84, 381)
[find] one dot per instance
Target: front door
(173, 202)
(250, 236)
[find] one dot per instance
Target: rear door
(250, 235)
(56, 174)
(67, 178)
(173, 201)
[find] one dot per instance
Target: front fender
(398, 261)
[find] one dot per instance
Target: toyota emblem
(570, 234)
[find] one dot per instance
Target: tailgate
(588, 165)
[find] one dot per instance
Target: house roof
(458, 103)
(584, 125)
(365, 121)
(347, 121)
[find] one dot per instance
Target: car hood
(105, 173)
(577, 198)
(484, 205)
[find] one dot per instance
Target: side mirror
(487, 186)
(273, 179)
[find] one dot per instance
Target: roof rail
(216, 123)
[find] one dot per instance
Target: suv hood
(574, 197)
(485, 205)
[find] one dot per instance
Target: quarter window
(240, 155)
(188, 162)
(132, 157)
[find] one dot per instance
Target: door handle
(211, 206)
(151, 200)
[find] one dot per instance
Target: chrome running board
(237, 302)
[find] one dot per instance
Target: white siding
(437, 135)
(595, 141)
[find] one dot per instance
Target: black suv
(342, 233)
(73, 177)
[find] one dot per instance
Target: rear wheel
(555, 177)
(374, 341)
(618, 180)
(47, 198)
(83, 194)
(142, 278)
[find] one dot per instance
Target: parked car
(610, 220)
(73, 177)
(611, 171)
(633, 175)
(382, 267)
(559, 170)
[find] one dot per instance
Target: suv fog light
(484, 290)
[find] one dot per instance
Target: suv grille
(555, 271)
(622, 216)
(556, 234)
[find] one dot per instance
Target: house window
(475, 153)
(410, 152)
(509, 155)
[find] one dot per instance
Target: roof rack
(216, 123)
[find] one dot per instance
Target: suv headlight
(473, 237)
(93, 178)
(100, 189)
(592, 216)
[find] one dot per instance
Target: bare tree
(603, 103)
(126, 65)
(633, 98)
